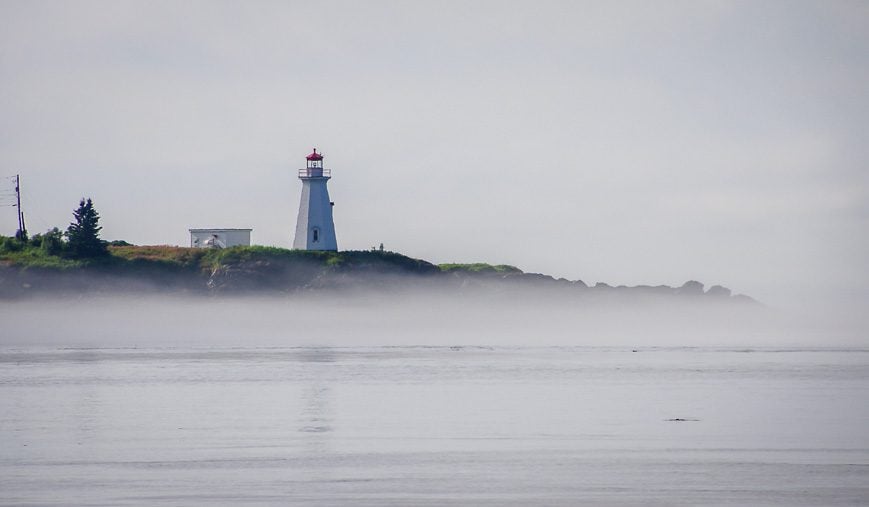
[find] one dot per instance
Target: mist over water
(521, 318)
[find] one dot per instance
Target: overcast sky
(626, 142)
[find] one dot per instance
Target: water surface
(416, 425)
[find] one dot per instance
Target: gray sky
(626, 142)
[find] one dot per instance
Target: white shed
(219, 238)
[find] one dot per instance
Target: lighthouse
(315, 229)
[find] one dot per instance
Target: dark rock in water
(718, 291)
(681, 419)
(690, 288)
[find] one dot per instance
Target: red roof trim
(315, 156)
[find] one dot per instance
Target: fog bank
(415, 318)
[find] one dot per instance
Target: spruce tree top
(84, 232)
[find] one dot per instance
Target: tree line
(81, 240)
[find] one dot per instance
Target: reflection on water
(315, 417)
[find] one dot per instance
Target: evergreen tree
(84, 233)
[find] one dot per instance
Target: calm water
(434, 426)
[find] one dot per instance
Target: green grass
(38, 259)
(208, 259)
(479, 267)
(174, 259)
(160, 254)
(248, 253)
(378, 259)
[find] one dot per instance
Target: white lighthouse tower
(315, 229)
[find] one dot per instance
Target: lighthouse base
(315, 228)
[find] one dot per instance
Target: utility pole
(22, 229)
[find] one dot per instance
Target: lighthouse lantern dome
(315, 160)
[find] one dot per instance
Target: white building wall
(237, 238)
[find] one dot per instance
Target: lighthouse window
(316, 235)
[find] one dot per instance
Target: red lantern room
(314, 168)
(315, 160)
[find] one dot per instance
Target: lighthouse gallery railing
(315, 173)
